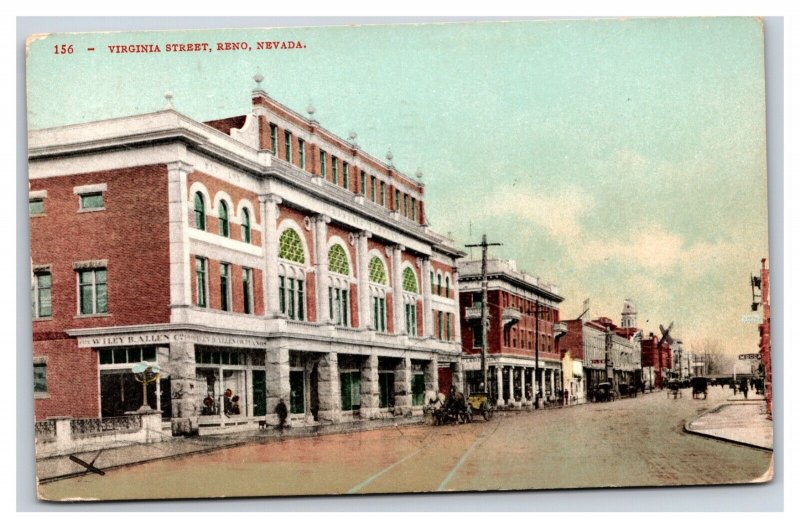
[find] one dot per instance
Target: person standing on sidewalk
(282, 413)
(744, 388)
(566, 397)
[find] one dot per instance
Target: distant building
(656, 361)
(513, 300)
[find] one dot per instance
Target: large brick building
(656, 361)
(513, 300)
(253, 259)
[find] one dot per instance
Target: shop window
(199, 211)
(246, 225)
(36, 206)
(224, 224)
(125, 356)
(418, 389)
(225, 286)
(93, 291)
(247, 290)
(350, 384)
(42, 293)
(200, 265)
(296, 392)
(385, 389)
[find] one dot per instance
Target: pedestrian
(744, 388)
(227, 405)
(282, 413)
(566, 397)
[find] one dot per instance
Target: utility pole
(484, 245)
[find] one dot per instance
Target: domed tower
(628, 314)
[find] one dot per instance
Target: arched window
(246, 225)
(291, 278)
(199, 211)
(377, 271)
(377, 275)
(438, 284)
(337, 260)
(224, 225)
(291, 247)
(409, 281)
(447, 286)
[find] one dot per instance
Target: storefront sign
(164, 338)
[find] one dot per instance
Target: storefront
(230, 383)
(120, 391)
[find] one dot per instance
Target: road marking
(382, 472)
(464, 457)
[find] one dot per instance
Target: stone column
(402, 387)
(552, 384)
(457, 369)
(432, 376)
(500, 400)
(397, 290)
(269, 243)
(540, 383)
(362, 271)
(321, 267)
(427, 304)
(179, 265)
(523, 400)
(277, 381)
(248, 392)
(330, 394)
(370, 399)
(182, 386)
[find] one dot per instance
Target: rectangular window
(345, 175)
(301, 150)
(282, 294)
(288, 145)
(386, 389)
(300, 301)
(291, 298)
(350, 383)
(477, 337)
(90, 201)
(296, 392)
(273, 138)
(363, 187)
(36, 206)
(379, 313)
(225, 286)
(418, 389)
(323, 164)
(405, 205)
(449, 326)
(247, 289)
(373, 195)
(414, 209)
(411, 319)
(200, 269)
(441, 325)
(339, 306)
(40, 378)
(335, 167)
(383, 193)
(93, 291)
(397, 200)
(42, 293)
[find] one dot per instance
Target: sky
(616, 158)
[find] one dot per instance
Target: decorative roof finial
(168, 99)
(258, 78)
(311, 110)
(418, 174)
(352, 137)
(390, 156)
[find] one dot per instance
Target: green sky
(614, 158)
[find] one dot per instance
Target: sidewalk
(60, 467)
(742, 421)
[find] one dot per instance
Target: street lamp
(145, 373)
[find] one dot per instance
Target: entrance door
(259, 393)
(313, 391)
(445, 380)
(297, 392)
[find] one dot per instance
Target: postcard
(403, 258)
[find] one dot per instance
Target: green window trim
(335, 168)
(363, 184)
(247, 290)
(92, 201)
(36, 206)
(301, 150)
(409, 281)
(225, 286)
(200, 270)
(345, 175)
(224, 223)
(40, 378)
(42, 295)
(323, 163)
(93, 291)
(273, 138)
(377, 271)
(287, 136)
(199, 211)
(246, 233)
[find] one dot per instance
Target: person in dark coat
(283, 412)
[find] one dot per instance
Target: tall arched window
(410, 291)
(447, 286)
(438, 284)
(199, 211)
(246, 225)
(378, 286)
(291, 276)
(339, 289)
(224, 224)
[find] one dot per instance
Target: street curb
(687, 428)
(250, 439)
